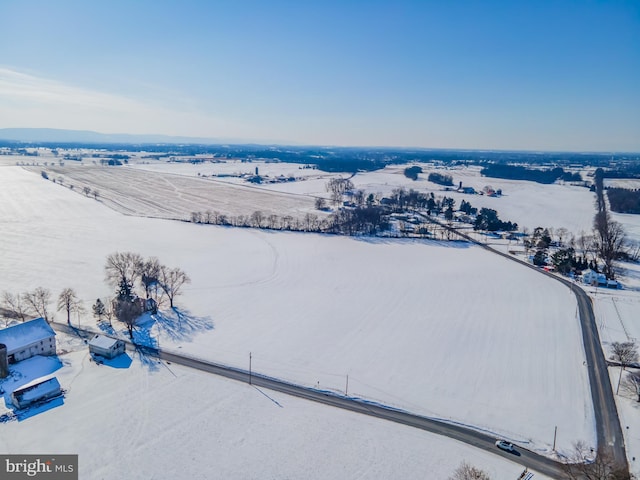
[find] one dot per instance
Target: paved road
(609, 433)
(472, 437)
(608, 430)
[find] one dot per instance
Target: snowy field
(315, 308)
(201, 187)
(144, 193)
(440, 329)
(158, 421)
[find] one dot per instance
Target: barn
(106, 347)
(37, 391)
(24, 340)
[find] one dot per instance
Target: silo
(4, 363)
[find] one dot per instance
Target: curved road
(608, 430)
(609, 433)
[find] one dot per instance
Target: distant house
(589, 277)
(469, 190)
(106, 347)
(24, 340)
(148, 305)
(37, 391)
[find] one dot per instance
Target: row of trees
(609, 235)
(440, 179)
(36, 303)
(95, 193)
(517, 172)
(624, 200)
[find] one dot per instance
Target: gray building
(24, 340)
(106, 347)
(35, 392)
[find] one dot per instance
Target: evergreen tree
(98, 310)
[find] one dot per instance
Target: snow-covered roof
(37, 389)
(101, 341)
(25, 333)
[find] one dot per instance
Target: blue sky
(531, 75)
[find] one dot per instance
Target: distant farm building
(106, 347)
(24, 340)
(590, 277)
(35, 392)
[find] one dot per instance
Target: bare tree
(562, 234)
(584, 464)
(96, 194)
(172, 281)
(38, 301)
(86, 191)
(320, 203)
(610, 241)
(14, 306)
(68, 301)
(272, 221)
(149, 274)
(632, 383)
(338, 187)
(196, 217)
(467, 472)
(256, 219)
(586, 244)
(123, 267)
(625, 353)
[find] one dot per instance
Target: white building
(590, 277)
(24, 340)
(106, 347)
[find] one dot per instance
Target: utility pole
(346, 389)
(555, 432)
(249, 368)
(619, 378)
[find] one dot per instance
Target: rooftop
(25, 333)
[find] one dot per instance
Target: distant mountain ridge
(55, 135)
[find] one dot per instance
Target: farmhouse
(37, 391)
(589, 277)
(24, 340)
(106, 347)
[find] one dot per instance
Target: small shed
(37, 391)
(24, 340)
(106, 347)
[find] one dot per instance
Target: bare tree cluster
(337, 187)
(126, 271)
(26, 305)
(587, 464)
(609, 236)
(468, 472)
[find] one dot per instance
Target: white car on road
(504, 445)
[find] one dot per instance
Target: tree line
(624, 200)
(517, 172)
(36, 303)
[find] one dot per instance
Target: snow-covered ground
(441, 329)
(445, 330)
(163, 421)
(529, 204)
